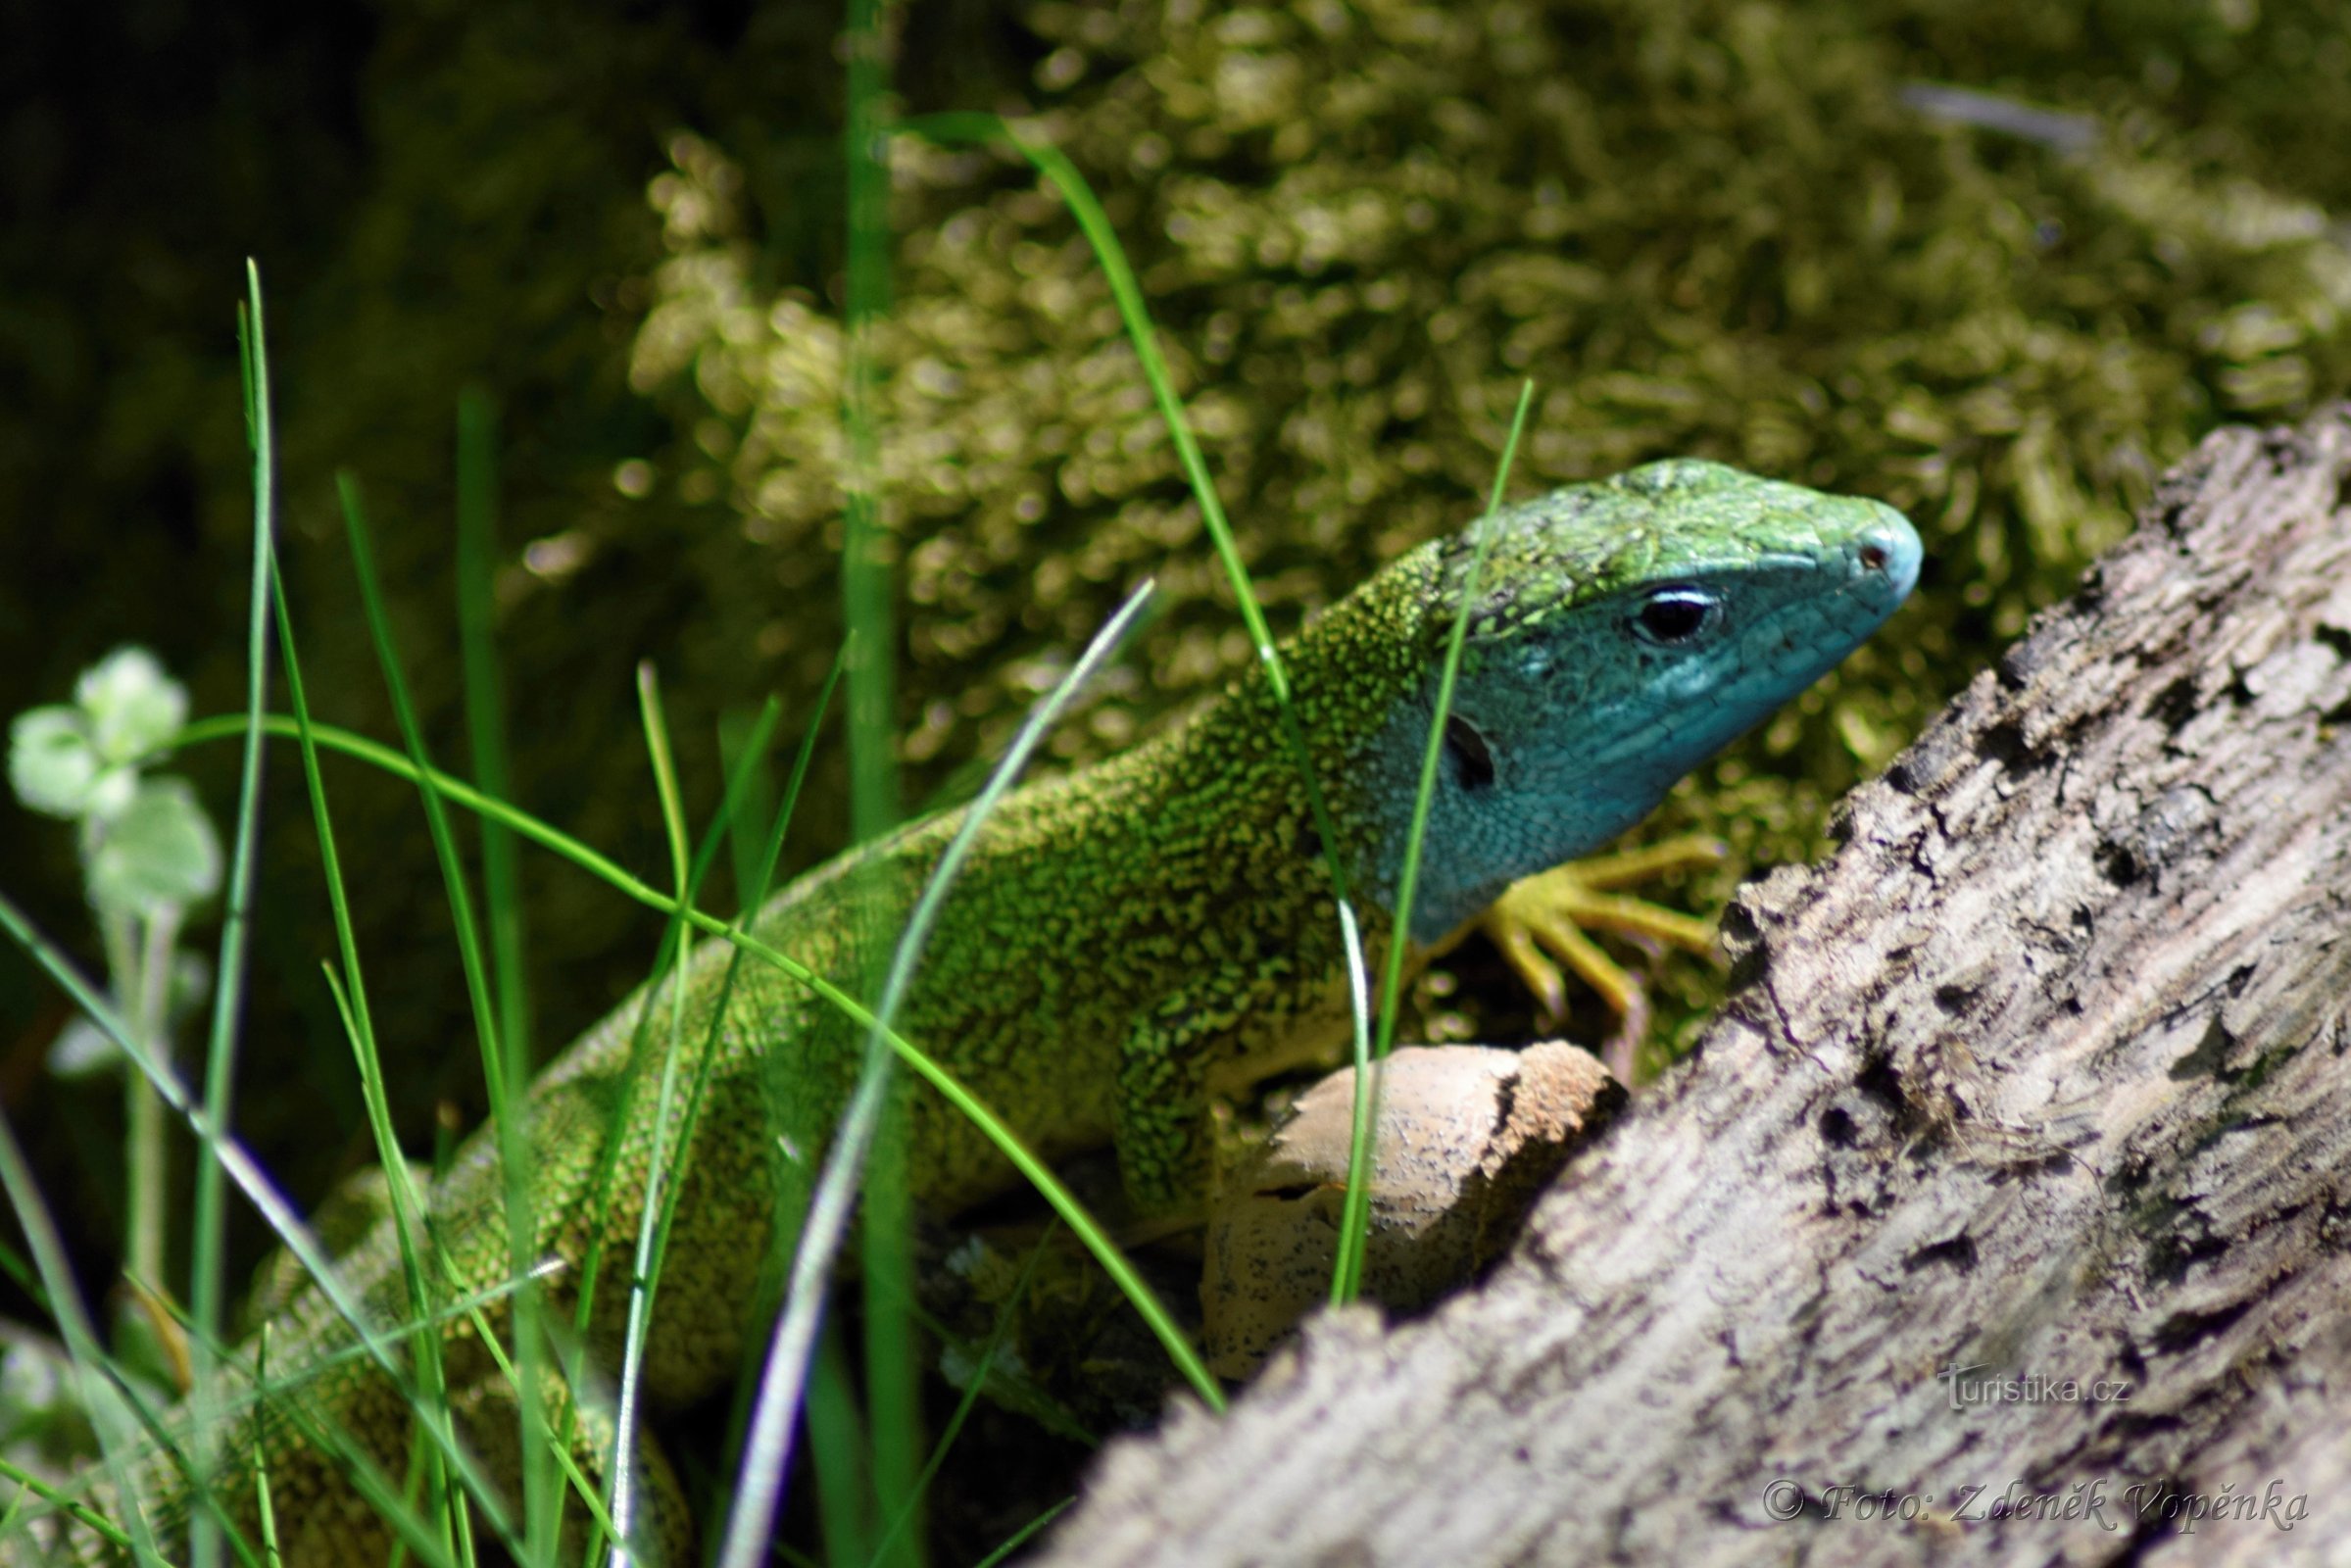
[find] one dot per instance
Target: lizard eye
(1675, 614)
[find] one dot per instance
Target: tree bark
(2045, 1074)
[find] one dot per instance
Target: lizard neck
(1207, 825)
(1232, 776)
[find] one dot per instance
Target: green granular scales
(1710, 230)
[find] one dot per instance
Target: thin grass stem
(1354, 1226)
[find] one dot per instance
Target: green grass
(505, 1020)
(207, 1283)
(873, 1128)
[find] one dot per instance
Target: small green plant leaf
(160, 852)
(133, 708)
(55, 769)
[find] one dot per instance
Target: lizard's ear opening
(1472, 760)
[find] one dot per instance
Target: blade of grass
(501, 891)
(376, 754)
(63, 1501)
(389, 1501)
(412, 1532)
(622, 1504)
(485, 716)
(1021, 1537)
(99, 1397)
(236, 1161)
(1095, 223)
(472, 1307)
(501, 1075)
(208, 1286)
(502, 881)
(501, 894)
(892, 1389)
(886, 1278)
(647, 1275)
(767, 1451)
(971, 1394)
(468, 1305)
(865, 563)
(265, 1506)
(848, 1462)
(843, 1473)
(430, 1405)
(22, 1274)
(143, 975)
(743, 832)
(673, 946)
(660, 1213)
(159, 1446)
(424, 1473)
(1354, 1226)
(684, 918)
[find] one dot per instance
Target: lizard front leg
(1161, 1123)
(1544, 917)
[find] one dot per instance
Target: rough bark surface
(2046, 1073)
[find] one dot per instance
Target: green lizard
(1126, 943)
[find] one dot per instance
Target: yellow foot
(1544, 919)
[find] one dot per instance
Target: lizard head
(1620, 634)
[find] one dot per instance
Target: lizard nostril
(1873, 557)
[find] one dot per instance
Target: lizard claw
(1544, 919)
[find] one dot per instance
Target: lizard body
(1125, 941)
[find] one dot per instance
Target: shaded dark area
(439, 197)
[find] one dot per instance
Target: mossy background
(1701, 227)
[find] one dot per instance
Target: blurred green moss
(438, 196)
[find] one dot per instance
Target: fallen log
(2003, 1214)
